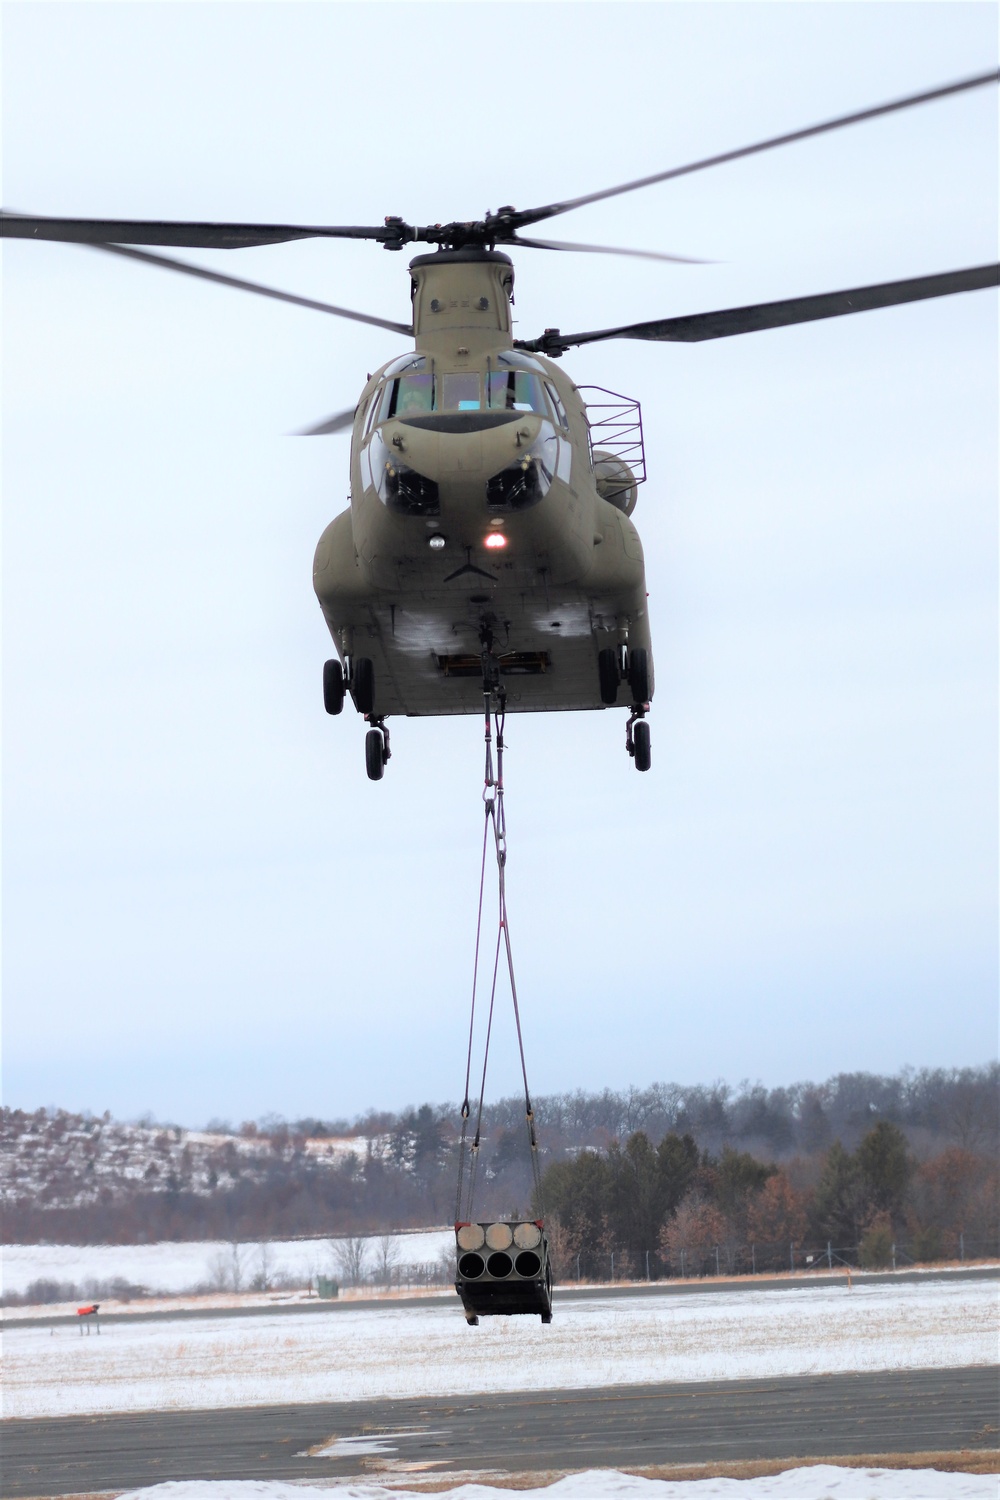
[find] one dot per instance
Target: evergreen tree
(677, 1162)
(884, 1169)
(838, 1197)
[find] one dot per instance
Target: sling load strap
(495, 817)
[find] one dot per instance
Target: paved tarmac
(563, 1293)
(905, 1411)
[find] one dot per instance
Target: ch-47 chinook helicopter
(488, 546)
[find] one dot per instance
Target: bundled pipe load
(504, 1268)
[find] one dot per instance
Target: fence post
(612, 1265)
(753, 1258)
(647, 1265)
(683, 1272)
(961, 1247)
(829, 1255)
(894, 1255)
(791, 1255)
(718, 1268)
(578, 1268)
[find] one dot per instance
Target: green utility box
(327, 1287)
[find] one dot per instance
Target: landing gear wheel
(374, 754)
(607, 671)
(363, 684)
(333, 687)
(638, 676)
(472, 1320)
(546, 1317)
(640, 739)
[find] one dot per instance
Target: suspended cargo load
(503, 1269)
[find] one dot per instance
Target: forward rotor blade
(536, 215)
(341, 421)
(167, 263)
(682, 260)
(194, 235)
(694, 328)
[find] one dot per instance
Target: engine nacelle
(615, 481)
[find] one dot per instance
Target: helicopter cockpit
(414, 391)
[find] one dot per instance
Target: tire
(374, 754)
(638, 674)
(333, 687)
(607, 671)
(640, 740)
(363, 684)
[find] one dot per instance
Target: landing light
(436, 542)
(495, 539)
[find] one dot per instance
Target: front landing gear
(377, 750)
(637, 737)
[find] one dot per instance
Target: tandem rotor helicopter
(489, 545)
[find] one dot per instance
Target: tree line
(729, 1171)
(672, 1209)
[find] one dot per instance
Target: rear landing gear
(638, 674)
(334, 687)
(608, 674)
(363, 684)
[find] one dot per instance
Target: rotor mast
(462, 301)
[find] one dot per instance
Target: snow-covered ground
(177, 1267)
(821, 1482)
(398, 1349)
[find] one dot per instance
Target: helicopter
(488, 551)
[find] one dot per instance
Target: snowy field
(399, 1349)
(821, 1482)
(178, 1268)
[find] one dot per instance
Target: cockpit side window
(557, 405)
(373, 405)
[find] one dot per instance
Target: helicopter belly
(420, 620)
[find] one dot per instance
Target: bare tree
(265, 1267)
(218, 1271)
(350, 1256)
(386, 1258)
(237, 1265)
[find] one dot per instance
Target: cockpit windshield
(514, 390)
(515, 384)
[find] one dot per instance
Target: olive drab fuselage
(475, 506)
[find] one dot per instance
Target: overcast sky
(208, 909)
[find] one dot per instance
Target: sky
(208, 909)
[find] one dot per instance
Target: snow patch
(820, 1482)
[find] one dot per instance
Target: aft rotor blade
(682, 260)
(341, 421)
(193, 235)
(536, 215)
(696, 327)
(169, 264)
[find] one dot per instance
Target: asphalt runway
(901, 1411)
